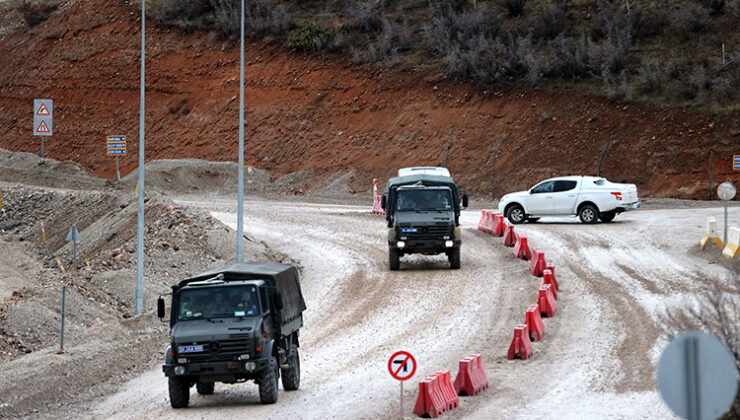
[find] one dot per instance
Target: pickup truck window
(545, 187)
(561, 186)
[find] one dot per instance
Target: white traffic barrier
(711, 236)
(732, 249)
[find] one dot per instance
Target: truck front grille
(221, 350)
(429, 232)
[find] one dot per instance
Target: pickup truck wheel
(205, 389)
(394, 259)
(608, 216)
(588, 214)
(179, 392)
(454, 257)
(292, 376)
(516, 215)
(268, 383)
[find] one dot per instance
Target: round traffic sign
(402, 365)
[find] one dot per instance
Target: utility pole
(140, 218)
(240, 212)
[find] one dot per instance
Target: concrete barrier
(711, 237)
(733, 243)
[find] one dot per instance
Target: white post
(240, 204)
(118, 172)
(140, 218)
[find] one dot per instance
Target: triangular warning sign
(43, 110)
(43, 128)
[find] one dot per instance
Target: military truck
(422, 208)
(234, 324)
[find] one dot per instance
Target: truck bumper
(424, 246)
(238, 369)
(628, 207)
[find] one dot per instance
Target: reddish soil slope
(325, 116)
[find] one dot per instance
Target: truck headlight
(250, 366)
(449, 244)
(400, 244)
(179, 370)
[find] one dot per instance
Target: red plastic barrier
(448, 390)
(555, 284)
(547, 301)
(521, 248)
(428, 402)
(538, 264)
(520, 346)
(480, 371)
(498, 225)
(482, 221)
(547, 279)
(509, 235)
(464, 382)
(534, 323)
(488, 221)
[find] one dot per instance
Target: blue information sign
(736, 163)
(116, 145)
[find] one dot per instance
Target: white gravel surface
(596, 360)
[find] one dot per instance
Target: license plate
(189, 349)
(409, 230)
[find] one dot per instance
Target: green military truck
(422, 208)
(233, 324)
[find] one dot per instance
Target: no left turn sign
(402, 365)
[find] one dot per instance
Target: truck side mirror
(160, 308)
(278, 300)
(383, 201)
(465, 200)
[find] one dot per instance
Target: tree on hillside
(496, 146)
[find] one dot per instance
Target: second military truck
(232, 324)
(422, 208)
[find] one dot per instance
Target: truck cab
(234, 324)
(423, 212)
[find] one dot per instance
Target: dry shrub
(34, 13)
(513, 7)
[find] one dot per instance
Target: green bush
(311, 38)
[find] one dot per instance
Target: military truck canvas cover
(422, 179)
(283, 276)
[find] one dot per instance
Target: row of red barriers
(491, 222)
(437, 394)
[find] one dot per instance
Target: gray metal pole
(118, 172)
(74, 249)
(725, 238)
(240, 212)
(61, 336)
(140, 228)
(42, 147)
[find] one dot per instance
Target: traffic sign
(74, 234)
(116, 145)
(736, 162)
(402, 365)
(43, 113)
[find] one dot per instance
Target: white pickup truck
(590, 198)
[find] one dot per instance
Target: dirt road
(596, 360)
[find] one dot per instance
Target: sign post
(402, 367)
(116, 146)
(43, 113)
(74, 236)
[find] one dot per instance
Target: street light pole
(240, 212)
(140, 217)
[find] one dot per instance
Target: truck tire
(268, 383)
(179, 392)
(394, 259)
(608, 216)
(205, 389)
(588, 214)
(516, 215)
(454, 257)
(292, 376)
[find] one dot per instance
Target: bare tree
(711, 172)
(603, 150)
(496, 146)
(448, 143)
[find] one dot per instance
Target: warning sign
(402, 365)
(43, 113)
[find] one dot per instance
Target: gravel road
(596, 360)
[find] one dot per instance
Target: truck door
(564, 196)
(540, 198)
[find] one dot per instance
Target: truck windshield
(218, 302)
(416, 200)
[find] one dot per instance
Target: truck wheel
(292, 376)
(205, 389)
(588, 214)
(393, 259)
(608, 216)
(179, 392)
(268, 383)
(516, 215)
(454, 257)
